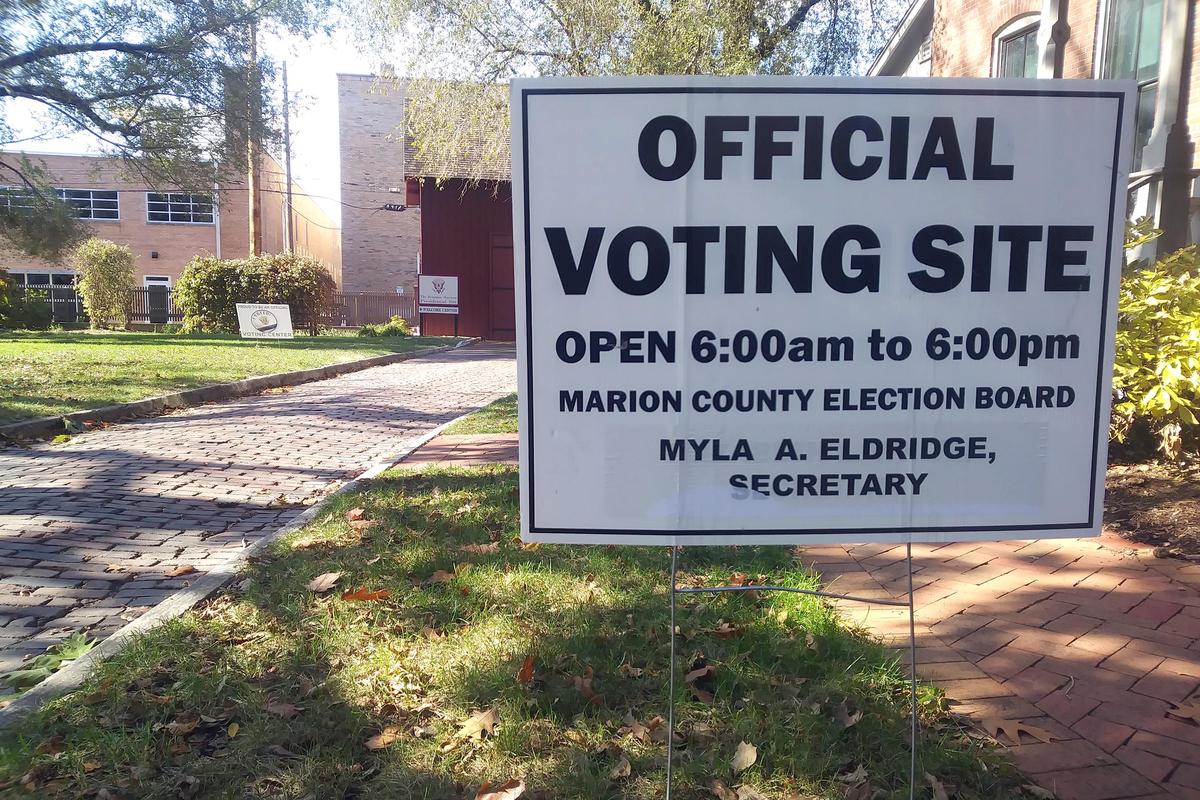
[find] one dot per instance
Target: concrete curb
(72, 676)
(51, 426)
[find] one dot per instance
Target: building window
(195, 209)
(43, 279)
(1132, 44)
(92, 203)
(1016, 54)
(95, 204)
(156, 280)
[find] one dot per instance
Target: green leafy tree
(1156, 378)
(165, 85)
(105, 281)
(468, 49)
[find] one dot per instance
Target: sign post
(815, 310)
(437, 294)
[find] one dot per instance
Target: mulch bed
(1158, 504)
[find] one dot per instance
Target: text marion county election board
(796, 310)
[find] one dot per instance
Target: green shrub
(396, 326)
(210, 289)
(105, 282)
(22, 308)
(1156, 377)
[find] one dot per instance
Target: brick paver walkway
(90, 529)
(1092, 640)
(468, 450)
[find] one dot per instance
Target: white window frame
(61, 193)
(156, 280)
(212, 213)
(1016, 26)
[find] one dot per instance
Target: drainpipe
(217, 218)
(1053, 33)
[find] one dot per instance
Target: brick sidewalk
(90, 529)
(1093, 640)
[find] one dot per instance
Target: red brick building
(1150, 41)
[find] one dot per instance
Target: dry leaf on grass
(182, 569)
(355, 514)
(481, 549)
(480, 723)
(720, 790)
(583, 684)
(749, 793)
(939, 789)
(365, 594)
(744, 757)
(859, 791)
(630, 671)
(285, 710)
(621, 770)
(844, 717)
(232, 730)
(634, 728)
(505, 791)
(91, 765)
(857, 776)
(1034, 790)
(1013, 728)
(324, 582)
(725, 630)
(810, 642)
(525, 675)
(441, 576)
(181, 725)
(1188, 710)
(383, 738)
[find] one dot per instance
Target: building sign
(258, 321)
(437, 294)
(807, 310)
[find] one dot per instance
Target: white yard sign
(815, 310)
(264, 321)
(437, 294)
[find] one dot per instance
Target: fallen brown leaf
(91, 765)
(356, 514)
(324, 582)
(183, 724)
(182, 569)
(630, 671)
(720, 790)
(1188, 710)
(697, 674)
(525, 675)
(622, 770)
(232, 730)
(441, 576)
(360, 525)
(363, 593)
(749, 793)
(1034, 790)
(844, 717)
(1013, 728)
(635, 729)
(383, 738)
(481, 549)
(744, 757)
(480, 723)
(285, 710)
(939, 789)
(505, 791)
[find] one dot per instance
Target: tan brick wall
(963, 32)
(379, 248)
(315, 233)
(1079, 52)
(175, 244)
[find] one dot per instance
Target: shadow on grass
(450, 641)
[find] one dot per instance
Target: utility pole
(254, 92)
(287, 163)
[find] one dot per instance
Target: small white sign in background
(815, 310)
(437, 294)
(263, 321)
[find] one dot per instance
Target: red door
(504, 309)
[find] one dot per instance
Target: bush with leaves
(1156, 378)
(210, 289)
(105, 282)
(396, 326)
(21, 307)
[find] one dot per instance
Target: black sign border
(827, 90)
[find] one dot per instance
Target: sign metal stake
(912, 650)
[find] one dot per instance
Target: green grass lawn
(43, 374)
(498, 417)
(558, 654)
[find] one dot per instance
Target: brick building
(1150, 41)
(380, 249)
(166, 229)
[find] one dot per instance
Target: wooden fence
(156, 306)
